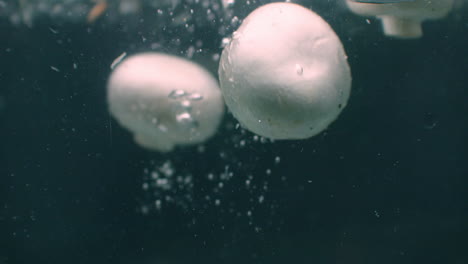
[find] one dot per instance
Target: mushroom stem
(401, 27)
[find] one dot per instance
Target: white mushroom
(285, 74)
(404, 19)
(164, 100)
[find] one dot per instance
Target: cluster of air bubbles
(236, 189)
(194, 49)
(243, 138)
(235, 22)
(26, 11)
(179, 12)
(164, 186)
(218, 182)
(231, 182)
(183, 107)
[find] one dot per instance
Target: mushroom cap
(285, 74)
(164, 100)
(416, 10)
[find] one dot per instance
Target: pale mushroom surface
(165, 100)
(285, 73)
(403, 20)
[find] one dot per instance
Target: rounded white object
(285, 75)
(404, 19)
(164, 100)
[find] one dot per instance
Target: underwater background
(386, 183)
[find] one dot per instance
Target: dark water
(386, 183)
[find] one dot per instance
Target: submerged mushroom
(164, 100)
(285, 75)
(403, 19)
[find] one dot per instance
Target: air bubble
(186, 119)
(236, 35)
(195, 97)
(163, 184)
(228, 3)
(225, 42)
(175, 94)
(234, 21)
(162, 128)
(299, 69)
(242, 143)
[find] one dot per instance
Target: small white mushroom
(285, 75)
(404, 19)
(164, 100)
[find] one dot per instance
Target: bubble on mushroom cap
(285, 75)
(142, 97)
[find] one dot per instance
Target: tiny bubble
(277, 160)
(157, 203)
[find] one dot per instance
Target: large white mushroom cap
(165, 100)
(285, 74)
(403, 19)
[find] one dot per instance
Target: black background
(386, 183)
